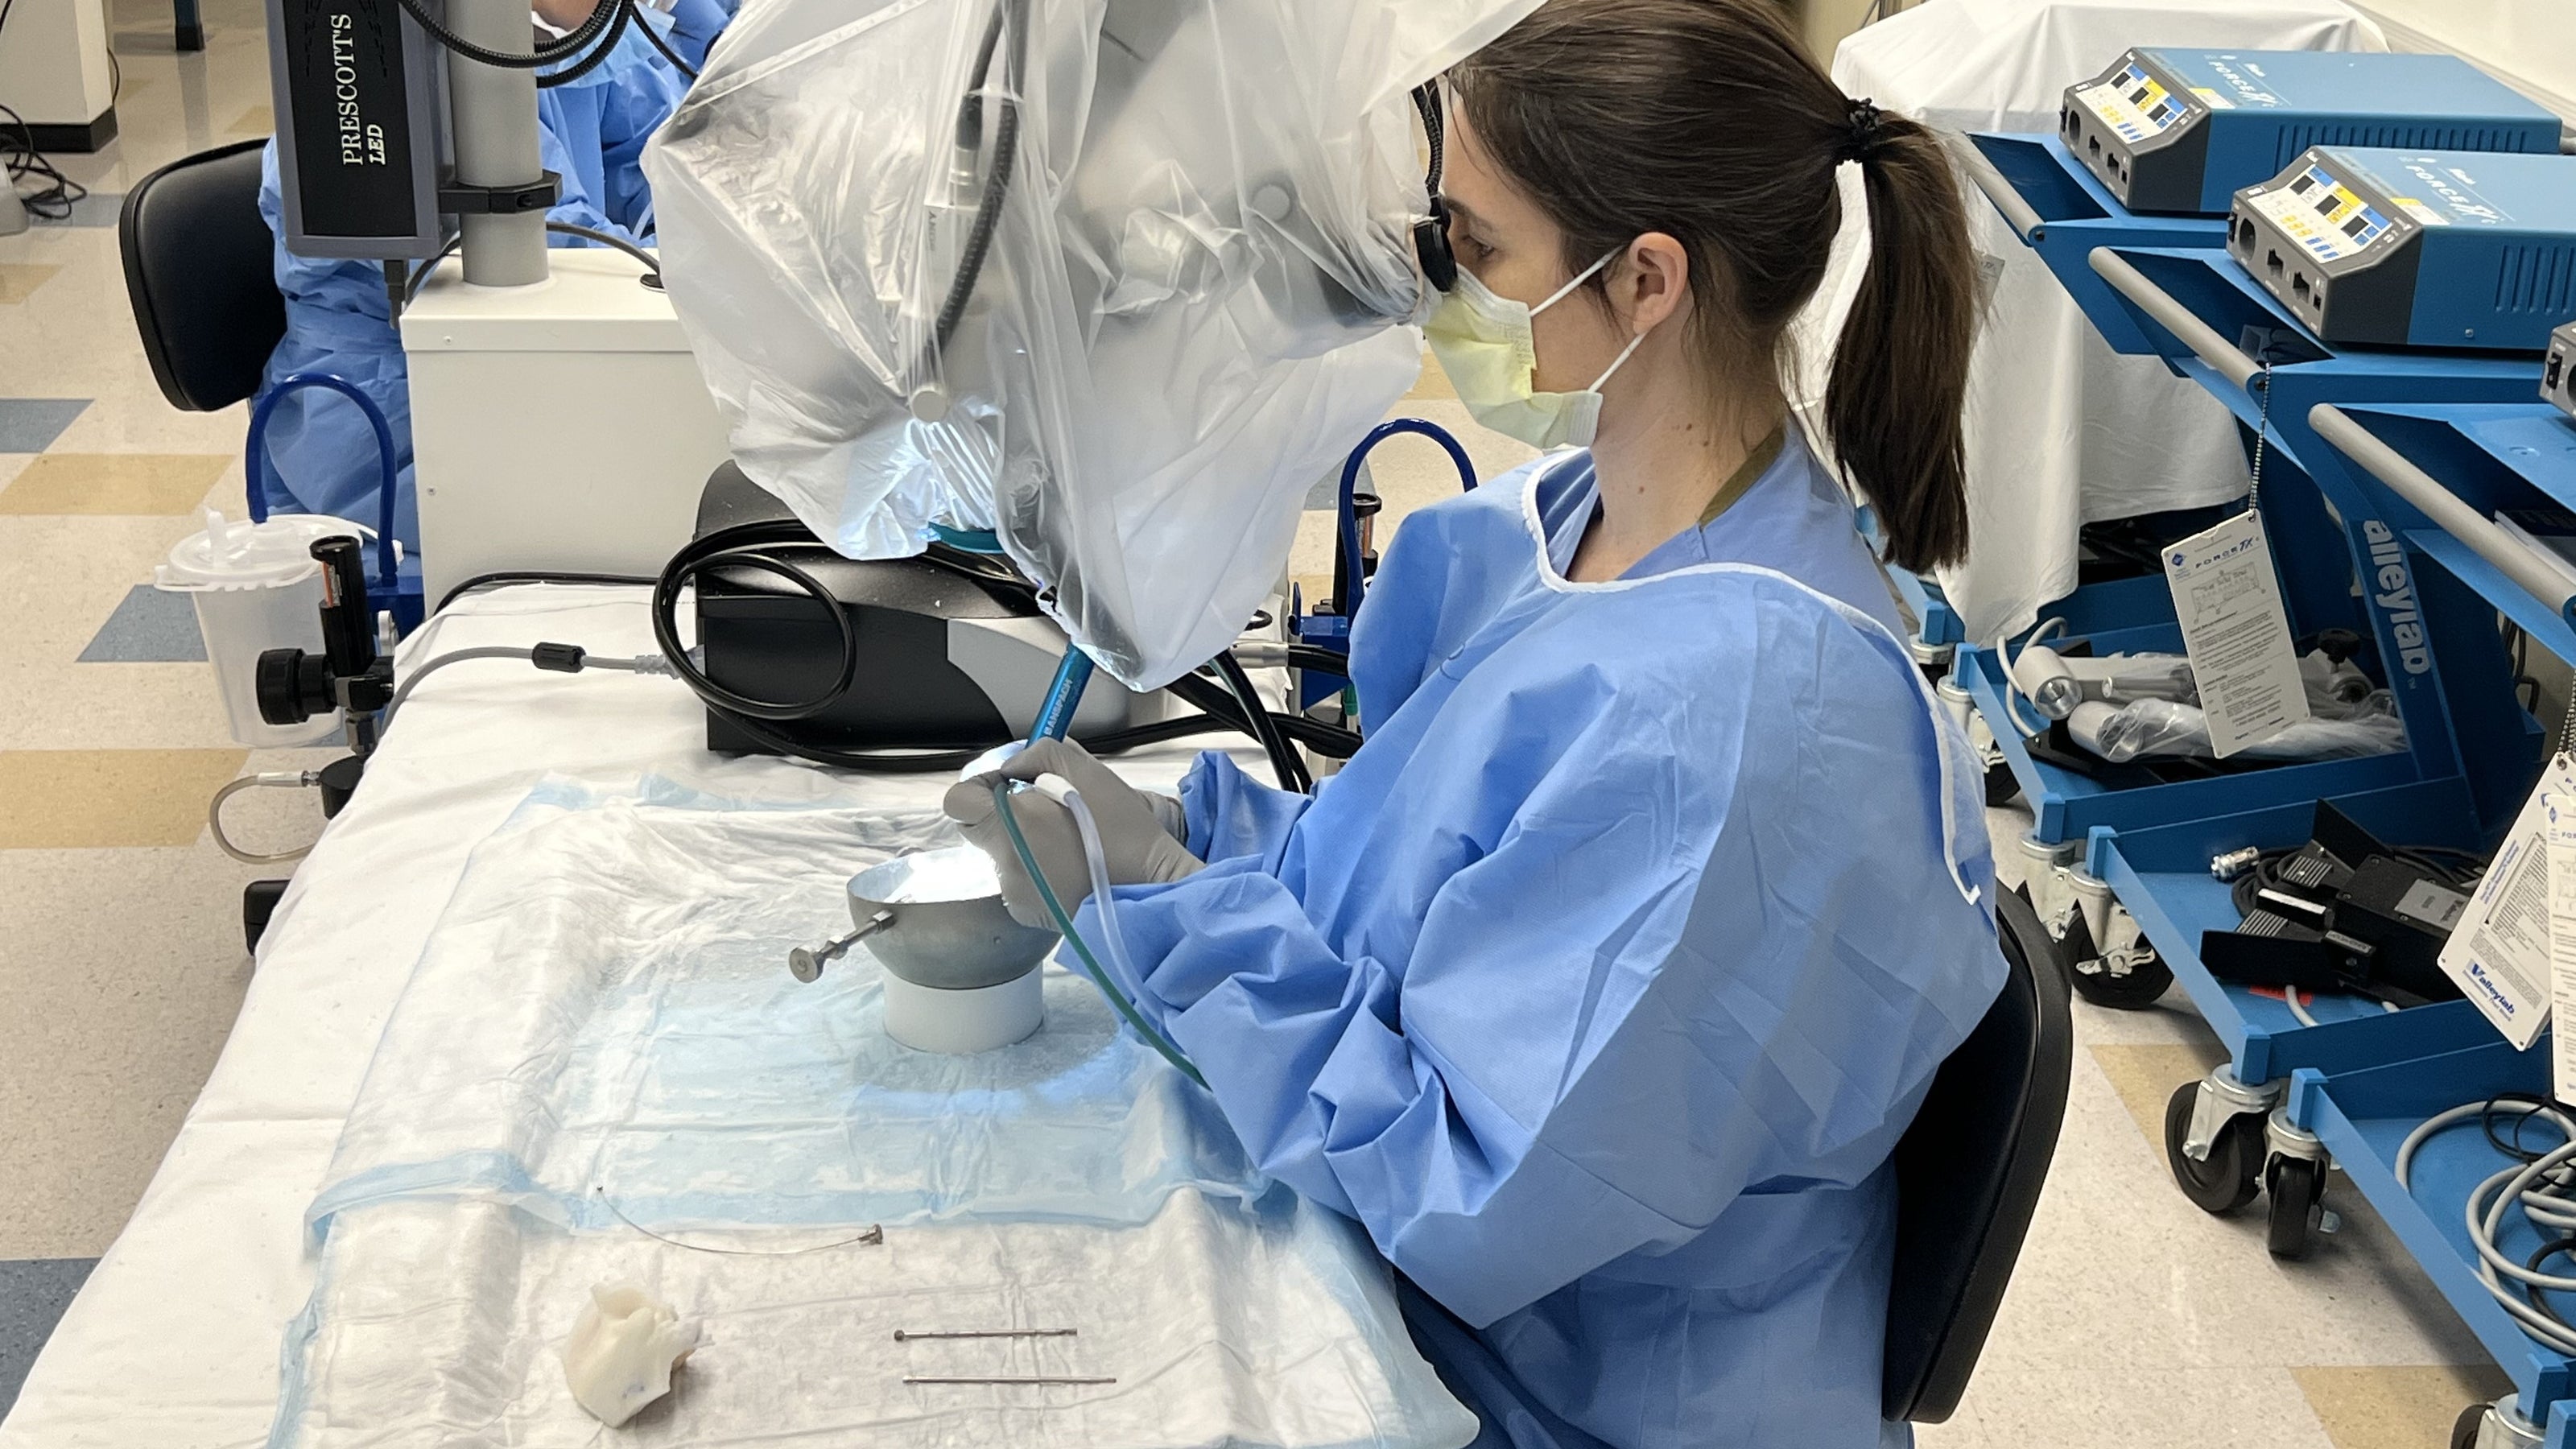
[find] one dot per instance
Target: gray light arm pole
(2511, 556)
(494, 121)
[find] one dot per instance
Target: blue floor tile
(99, 208)
(150, 626)
(33, 1294)
(30, 424)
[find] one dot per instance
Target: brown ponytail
(1708, 121)
(1900, 374)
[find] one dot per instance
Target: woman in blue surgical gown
(1600, 984)
(320, 451)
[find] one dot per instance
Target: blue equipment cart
(2441, 473)
(2121, 865)
(2363, 1114)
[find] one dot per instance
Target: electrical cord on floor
(53, 202)
(273, 780)
(2541, 1183)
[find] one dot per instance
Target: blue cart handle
(2159, 304)
(2512, 557)
(2017, 213)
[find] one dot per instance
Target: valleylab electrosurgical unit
(2415, 248)
(2184, 130)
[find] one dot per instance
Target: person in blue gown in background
(320, 452)
(1600, 984)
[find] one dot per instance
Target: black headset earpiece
(1431, 235)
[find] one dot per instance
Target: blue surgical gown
(321, 453)
(1599, 985)
(695, 24)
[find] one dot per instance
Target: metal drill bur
(919, 1379)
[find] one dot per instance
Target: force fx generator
(2185, 130)
(2382, 248)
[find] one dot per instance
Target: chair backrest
(1969, 1173)
(198, 272)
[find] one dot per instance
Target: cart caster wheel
(2001, 788)
(2142, 987)
(2495, 1426)
(2060, 956)
(2229, 1179)
(2298, 1191)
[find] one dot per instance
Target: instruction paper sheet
(2559, 829)
(2228, 600)
(2500, 955)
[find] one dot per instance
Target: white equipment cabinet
(558, 428)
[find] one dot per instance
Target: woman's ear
(1655, 282)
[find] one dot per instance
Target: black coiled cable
(756, 546)
(544, 54)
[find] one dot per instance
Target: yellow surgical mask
(1485, 345)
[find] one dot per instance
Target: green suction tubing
(1081, 949)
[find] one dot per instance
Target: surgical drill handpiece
(807, 962)
(2055, 684)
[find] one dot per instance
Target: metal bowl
(941, 921)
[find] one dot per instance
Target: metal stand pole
(494, 120)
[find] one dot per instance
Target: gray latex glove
(1140, 831)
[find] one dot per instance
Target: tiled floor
(121, 961)
(2135, 1319)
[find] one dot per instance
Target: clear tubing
(1098, 858)
(1081, 950)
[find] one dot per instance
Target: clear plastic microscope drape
(1117, 279)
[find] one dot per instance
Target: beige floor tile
(2225, 1407)
(2406, 1406)
(160, 483)
(61, 576)
(2121, 1273)
(2146, 1075)
(19, 280)
(135, 706)
(77, 799)
(256, 121)
(123, 970)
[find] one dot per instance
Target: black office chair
(197, 271)
(1968, 1175)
